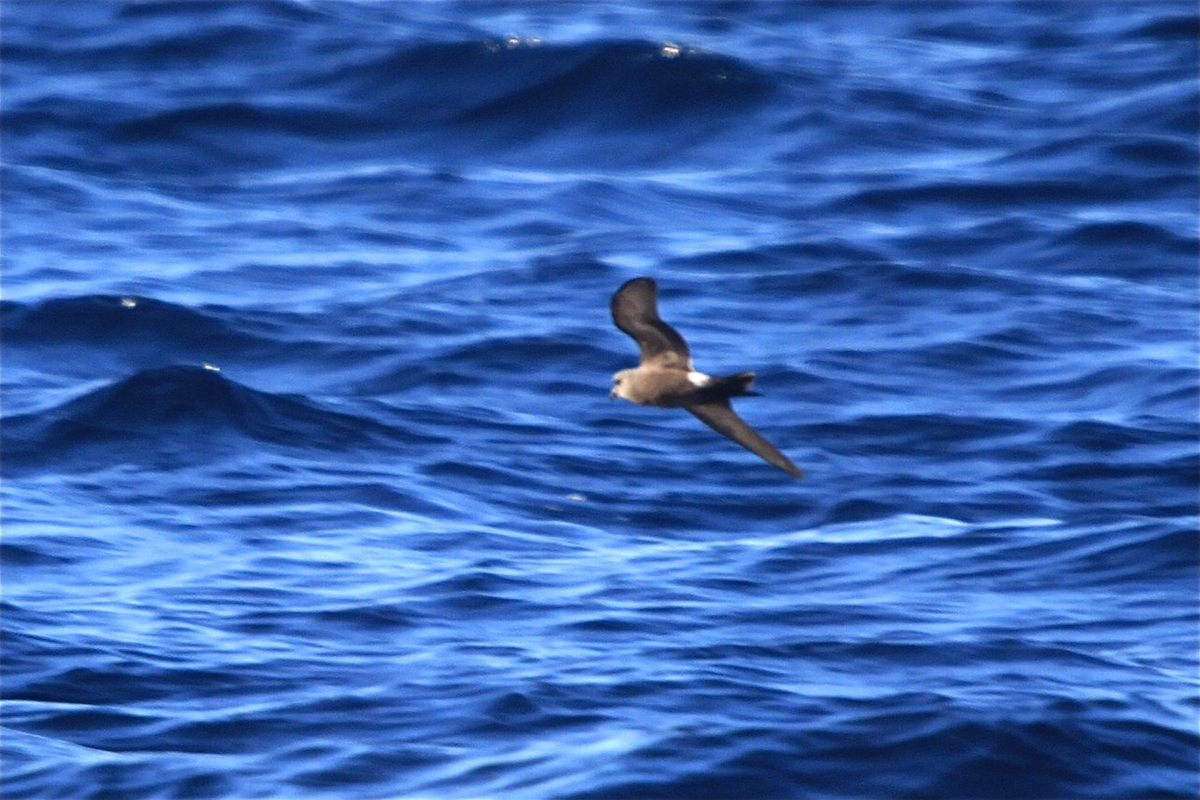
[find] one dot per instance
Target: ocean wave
(453, 96)
(93, 336)
(107, 322)
(180, 408)
(1146, 152)
(1023, 757)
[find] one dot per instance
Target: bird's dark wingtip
(785, 464)
(632, 283)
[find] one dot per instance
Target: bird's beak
(612, 393)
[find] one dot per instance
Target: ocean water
(311, 484)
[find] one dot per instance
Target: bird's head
(620, 387)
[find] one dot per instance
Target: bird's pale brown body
(666, 377)
(670, 387)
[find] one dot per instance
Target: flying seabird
(667, 378)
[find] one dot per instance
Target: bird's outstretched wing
(635, 311)
(720, 416)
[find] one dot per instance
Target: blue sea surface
(312, 488)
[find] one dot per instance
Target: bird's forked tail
(735, 385)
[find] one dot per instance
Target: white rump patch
(698, 379)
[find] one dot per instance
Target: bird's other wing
(635, 311)
(720, 416)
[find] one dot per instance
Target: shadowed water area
(312, 490)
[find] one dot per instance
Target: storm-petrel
(667, 378)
